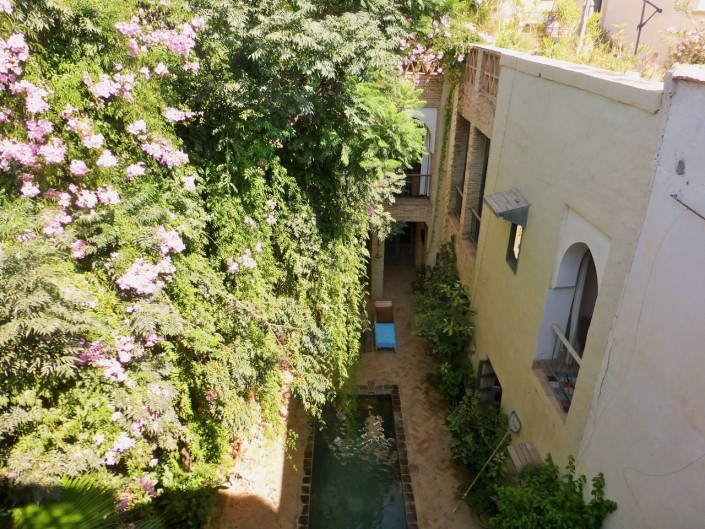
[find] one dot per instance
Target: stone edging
(400, 434)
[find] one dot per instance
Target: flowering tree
(183, 211)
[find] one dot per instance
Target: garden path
(434, 477)
(265, 490)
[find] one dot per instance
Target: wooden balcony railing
(458, 202)
(474, 226)
(563, 368)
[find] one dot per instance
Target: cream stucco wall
(646, 429)
(577, 143)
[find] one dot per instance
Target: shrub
(545, 500)
(443, 307)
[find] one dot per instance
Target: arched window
(571, 304)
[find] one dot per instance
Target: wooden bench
(524, 454)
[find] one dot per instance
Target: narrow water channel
(355, 476)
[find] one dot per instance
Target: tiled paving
(434, 478)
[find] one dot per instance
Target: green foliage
(477, 428)
(443, 309)
(546, 500)
(558, 37)
(686, 46)
(301, 133)
(79, 503)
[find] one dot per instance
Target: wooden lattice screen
(472, 66)
(490, 73)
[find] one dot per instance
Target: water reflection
(355, 476)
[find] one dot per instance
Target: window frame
(512, 259)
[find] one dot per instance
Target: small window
(514, 246)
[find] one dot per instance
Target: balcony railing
(563, 368)
(474, 226)
(458, 202)
(417, 186)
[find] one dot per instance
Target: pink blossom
(272, 204)
(126, 84)
(174, 115)
(161, 69)
(67, 112)
(78, 167)
(138, 127)
(118, 67)
(250, 222)
(107, 159)
(145, 72)
(5, 6)
(129, 29)
(26, 235)
(189, 183)
(55, 225)
(5, 114)
(165, 154)
(54, 151)
(116, 416)
(79, 249)
(147, 485)
(34, 96)
(194, 66)
(86, 199)
(244, 260)
(134, 47)
(143, 277)
(125, 347)
(271, 219)
(94, 141)
(64, 199)
(99, 438)
(12, 150)
(29, 188)
(38, 129)
(123, 443)
(13, 52)
(169, 241)
(136, 169)
(258, 247)
(153, 462)
(198, 24)
(112, 369)
(233, 267)
(104, 88)
(151, 339)
(108, 196)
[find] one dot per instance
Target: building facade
(575, 198)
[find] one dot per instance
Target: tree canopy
(187, 192)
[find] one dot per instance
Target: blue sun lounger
(385, 331)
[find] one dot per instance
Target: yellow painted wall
(568, 138)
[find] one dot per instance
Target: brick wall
(476, 106)
(410, 209)
(431, 86)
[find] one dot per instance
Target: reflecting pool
(355, 481)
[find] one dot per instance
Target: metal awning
(509, 205)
